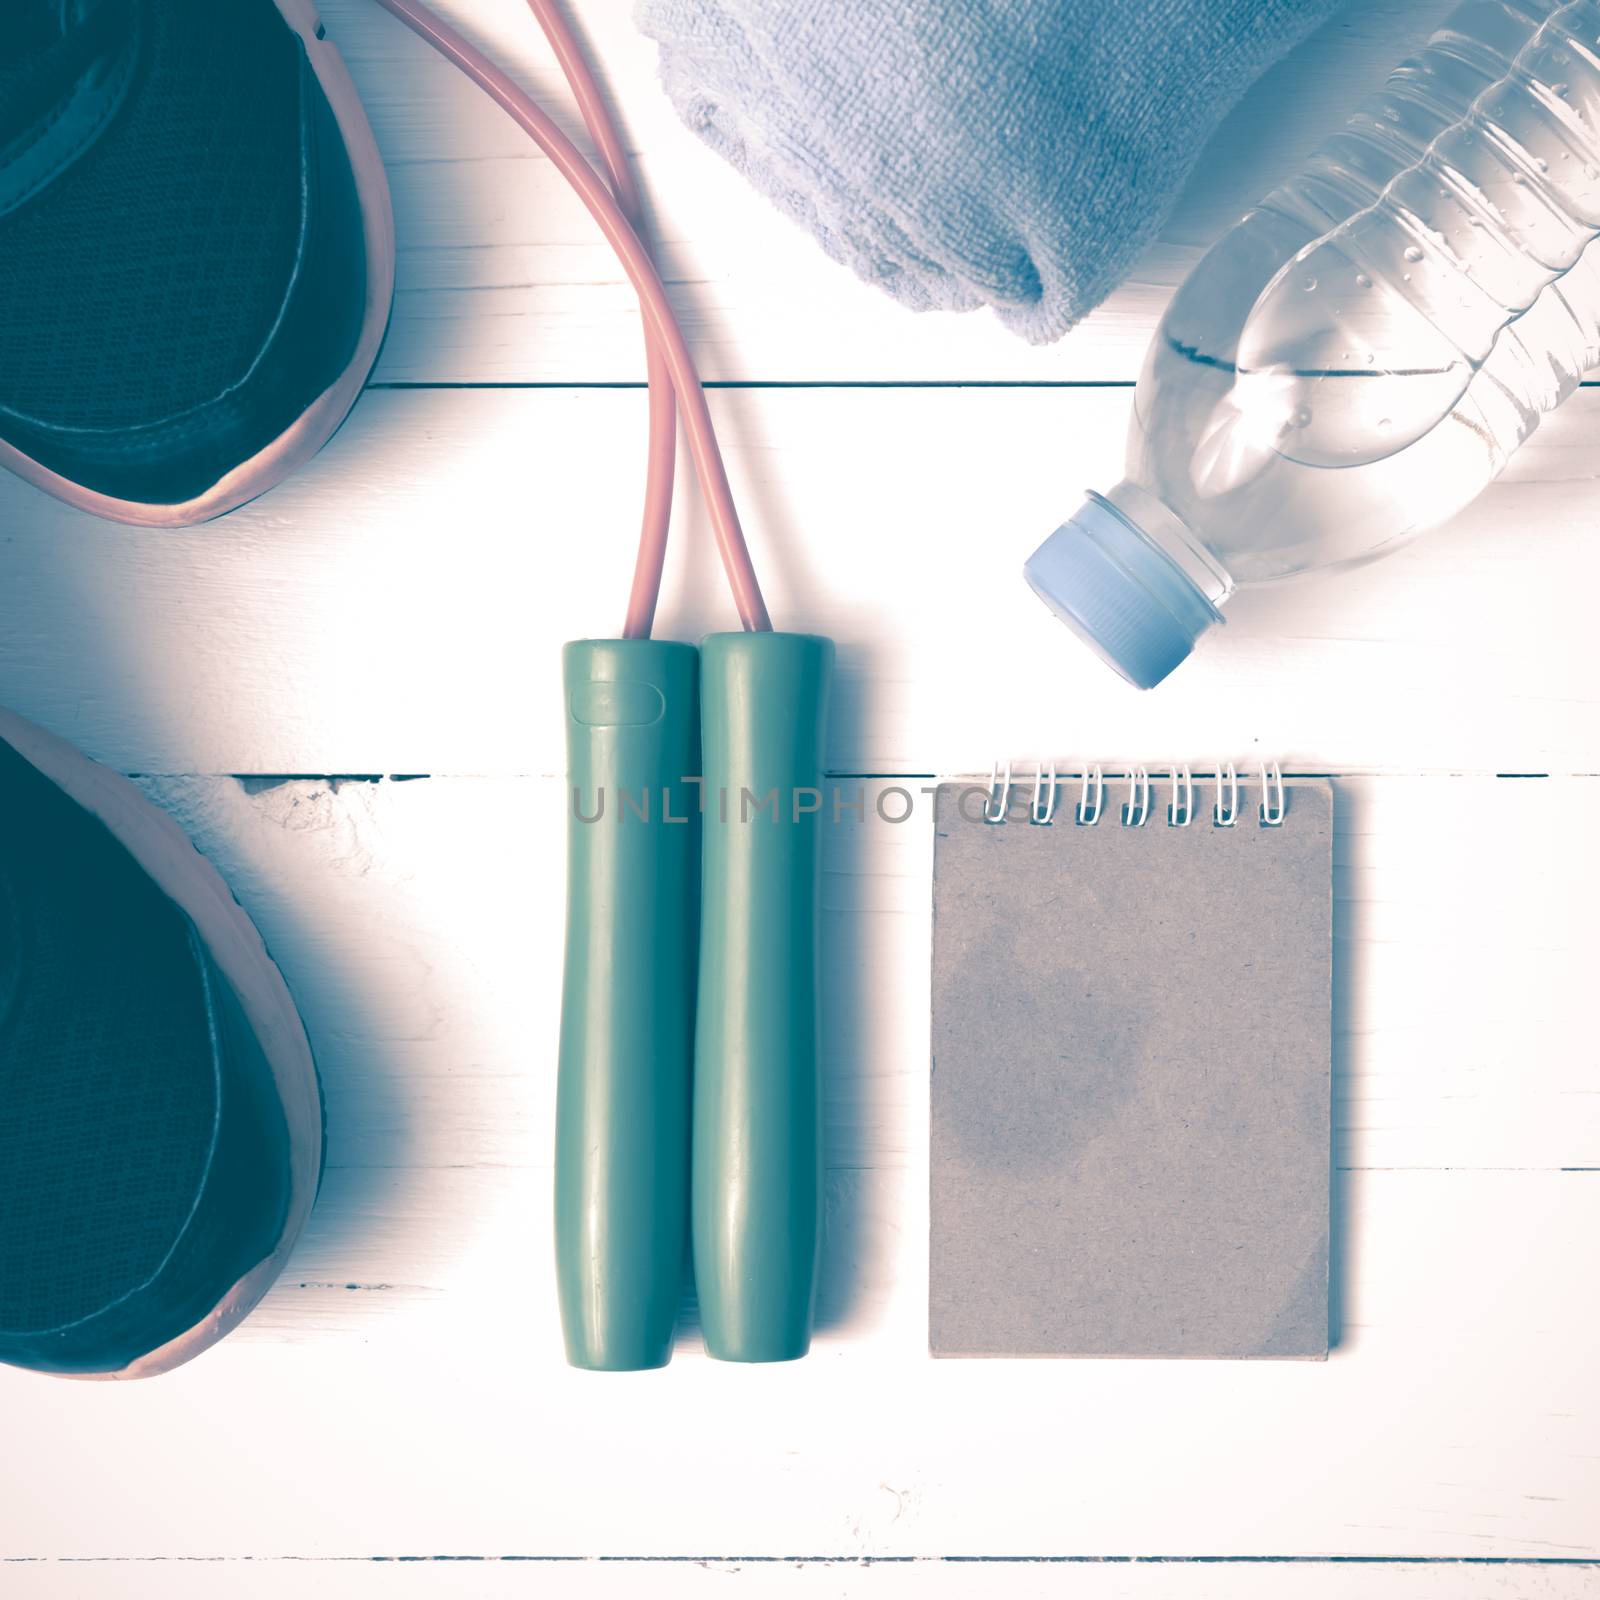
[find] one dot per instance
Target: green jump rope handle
(627, 1002)
(757, 1186)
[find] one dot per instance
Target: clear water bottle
(1361, 354)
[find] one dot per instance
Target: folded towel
(1012, 153)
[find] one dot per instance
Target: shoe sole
(230, 938)
(321, 419)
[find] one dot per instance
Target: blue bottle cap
(1120, 592)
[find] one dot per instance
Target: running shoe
(160, 1118)
(196, 250)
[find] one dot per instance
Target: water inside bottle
(1359, 357)
(1336, 367)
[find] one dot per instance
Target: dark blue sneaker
(160, 1121)
(196, 250)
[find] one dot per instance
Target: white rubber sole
(321, 419)
(230, 938)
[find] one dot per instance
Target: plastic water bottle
(1359, 356)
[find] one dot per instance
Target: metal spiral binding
(1226, 814)
(1044, 801)
(1272, 813)
(1089, 811)
(995, 810)
(1181, 814)
(1135, 812)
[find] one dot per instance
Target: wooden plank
(498, 1578)
(420, 924)
(402, 1391)
(1457, 1418)
(502, 277)
(400, 605)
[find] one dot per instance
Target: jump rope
(688, 1096)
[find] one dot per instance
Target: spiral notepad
(1131, 1102)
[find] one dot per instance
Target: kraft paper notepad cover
(1131, 1114)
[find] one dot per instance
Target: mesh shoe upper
(143, 1160)
(194, 276)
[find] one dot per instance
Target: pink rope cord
(663, 423)
(667, 351)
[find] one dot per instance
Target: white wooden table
(397, 1419)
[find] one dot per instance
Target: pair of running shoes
(196, 272)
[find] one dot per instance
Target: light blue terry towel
(1013, 153)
